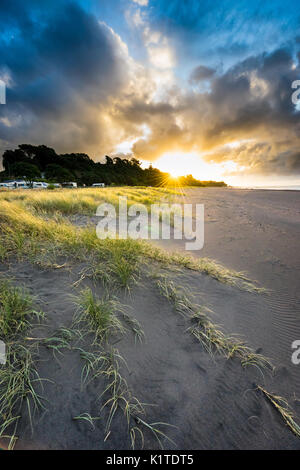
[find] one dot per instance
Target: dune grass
(61, 339)
(86, 417)
(282, 406)
(204, 265)
(23, 233)
(18, 376)
(104, 316)
(33, 226)
(84, 200)
(117, 396)
(134, 326)
(16, 309)
(99, 313)
(207, 333)
(101, 318)
(18, 381)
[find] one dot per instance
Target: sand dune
(205, 401)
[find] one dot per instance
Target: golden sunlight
(181, 164)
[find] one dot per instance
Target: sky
(192, 86)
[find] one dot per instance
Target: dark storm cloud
(251, 101)
(14, 14)
(256, 92)
(201, 73)
(57, 75)
(73, 85)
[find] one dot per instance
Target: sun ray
(182, 164)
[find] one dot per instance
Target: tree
(29, 160)
(39, 156)
(57, 172)
(25, 170)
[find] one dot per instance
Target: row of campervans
(22, 184)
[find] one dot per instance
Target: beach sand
(210, 401)
(257, 231)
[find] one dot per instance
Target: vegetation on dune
(203, 265)
(281, 405)
(18, 376)
(34, 161)
(33, 226)
(61, 339)
(24, 230)
(207, 333)
(99, 314)
(16, 309)
(117, 396)
(84, 200)
(100, 317)
(19, 380)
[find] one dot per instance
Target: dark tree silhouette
(26, 170)
(80, 168)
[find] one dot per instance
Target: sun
(182, 164)
(173, 163)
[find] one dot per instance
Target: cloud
(251, 101)
(160, 53)
(73, 84)
(161, 57)
(201, 73)
(64, 78)
(222, 31)
(142, 3)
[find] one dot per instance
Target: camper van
(39, 185)
(4, 185)
(69, 185)
(21, 185)
(14, 184)
(98, 185)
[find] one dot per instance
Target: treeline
(41, 162)
(189, 180)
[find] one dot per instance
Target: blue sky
(182, 77)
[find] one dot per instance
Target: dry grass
(24, 233)
(100, 316)
(83, 200)
(282, 406)
(207, 333)
(203, 265)
(18, 377)
(117, 396)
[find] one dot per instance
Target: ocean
(272, 188)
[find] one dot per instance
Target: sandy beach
(204, 399)
(257, 231)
